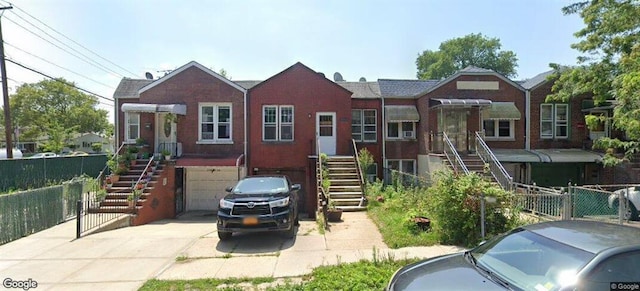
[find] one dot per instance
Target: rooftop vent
(362, 79)
(337, 77)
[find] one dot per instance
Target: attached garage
(205, 186)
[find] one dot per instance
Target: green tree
(53, 108)
(609, 68)
(470, 50)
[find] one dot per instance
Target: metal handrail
(133, 187)
(356, 157)
(457, 160)
(497, 170)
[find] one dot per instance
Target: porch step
(352, 208)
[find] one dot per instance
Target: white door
(205, 186)
(166, 134)
(326, 131)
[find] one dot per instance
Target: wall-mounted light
(148, 126)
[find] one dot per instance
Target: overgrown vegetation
(452, 204)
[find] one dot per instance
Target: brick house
(198, 117)
(286, 114)
(219, 130)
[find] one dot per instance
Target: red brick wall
(161, 204)
(404, 148)
(506, 93)
(191, 87)
(577, 128)
(309, 93)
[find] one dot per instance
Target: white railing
(452, 155)
(497, 170)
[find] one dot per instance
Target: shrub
(455, 204)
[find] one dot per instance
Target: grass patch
(203, 284)
(391, 224)
(182, 258)
(362, 275)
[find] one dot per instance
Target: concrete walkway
(188, 248)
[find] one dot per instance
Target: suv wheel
(291, 233)
(223, 235)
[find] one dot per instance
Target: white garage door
(205, 186)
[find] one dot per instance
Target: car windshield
(260, 185)
(530, 261)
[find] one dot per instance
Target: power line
(68, 38)
(85, 59)
(61, 67)
(59, 80)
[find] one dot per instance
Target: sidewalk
(187, 248)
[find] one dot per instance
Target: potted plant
(114, 167)
(166, 154)
(108, 182)
(140, 142)
(132, 199)
(333, 214)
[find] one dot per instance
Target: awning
(153, 108)
(400, 113)
(568, 156)
(516, 156)
(458, 102)
(502, 111)
(589, 105)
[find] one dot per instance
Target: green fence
(20, 174)
(27, 212)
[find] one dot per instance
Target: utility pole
(5, 92)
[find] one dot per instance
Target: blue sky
(253, 40)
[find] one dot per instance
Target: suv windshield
(260, 185)
(530, 261)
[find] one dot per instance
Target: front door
(166, 134)
(454, 123)
(326, 132)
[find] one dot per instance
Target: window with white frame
(277, 123)
(498, 129)
(401, 130)
(372, 172)
(405, 166)
(554, 121)
(132, 130)
(215, 122)
(363, 125)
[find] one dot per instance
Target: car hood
(450, 272)
(255, 197)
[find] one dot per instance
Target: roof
(471, 70)
(303, 66)
(404, 88)
(187, 66)
(362, 89)
(590, 236)
(537, 80)
(128, 88)
(248, 84)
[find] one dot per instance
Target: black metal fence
(26, 212)
(20, 174)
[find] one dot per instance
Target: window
(498, 129)
(371, 173)
(405, 166)
(554, 120)
(277, 123)
(215, 122)
(132, 130)
(363, 125)
(401, 130)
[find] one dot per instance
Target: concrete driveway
(187, 248)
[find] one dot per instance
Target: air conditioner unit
(407, 134)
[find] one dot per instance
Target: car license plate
(250, 221)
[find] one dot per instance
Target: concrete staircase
(345, 190)
(475, 165)
(116, 199)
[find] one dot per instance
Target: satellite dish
(362, 79)
(148, 75)
(321, 74)
(337, 77)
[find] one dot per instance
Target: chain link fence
(26, 212)
(20, 174)
(396, 178)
